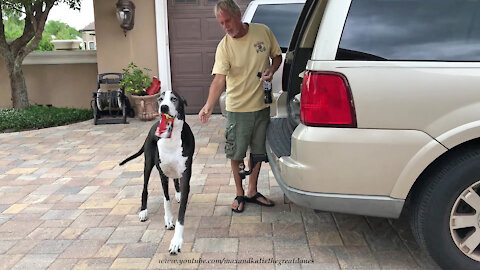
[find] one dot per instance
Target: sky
(74, 18)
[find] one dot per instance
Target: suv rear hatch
(300, 49)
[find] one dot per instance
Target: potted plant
(136, 81)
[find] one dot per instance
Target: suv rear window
(427, 30)
(281, 19)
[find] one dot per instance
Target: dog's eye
(161, 99)
(173, 99)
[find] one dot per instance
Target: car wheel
(446, 212)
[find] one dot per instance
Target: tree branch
(3, 39)
(13, 6)
(40, 21)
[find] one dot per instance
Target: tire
(449, 196)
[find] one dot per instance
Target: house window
(91, 45)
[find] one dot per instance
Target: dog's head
(173, 104)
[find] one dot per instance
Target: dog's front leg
(143, 215)
(166, 204)
(177, 189)
(177, 240)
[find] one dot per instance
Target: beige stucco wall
(62, 85)
(114, 50)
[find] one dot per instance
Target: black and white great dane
(173, 158)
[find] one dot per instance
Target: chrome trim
(378, 206)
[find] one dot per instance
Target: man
(245, 50)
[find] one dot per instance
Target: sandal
(254, 199)
(240, 200)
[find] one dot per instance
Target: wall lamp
(126, 15)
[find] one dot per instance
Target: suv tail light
(326, 100)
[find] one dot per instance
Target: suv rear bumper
(380, 206)
(347, 170)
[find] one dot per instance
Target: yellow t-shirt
(240, 59)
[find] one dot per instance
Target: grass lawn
(36, 117)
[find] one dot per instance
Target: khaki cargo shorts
(246, 129)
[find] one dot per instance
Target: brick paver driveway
(66, 204)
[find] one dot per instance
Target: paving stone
(203, 198)
(110, 250)
(51, 246)
(45, 233)
(15, 208)
(63, 264)
(71, 233)
(22, 247)
(253, 244)
(215, 222)
(62, 214)
(9, 260)
(221, 210)
(35, 261)
(212, 233)
(138, 250)
(323, 255)
(289, 230)
(101, 234)
(86, 221)
(153, 236)
(250, 230)
(82, 249)
(281, 217)
(6, 245)
(200, 210)
(215, 245)
(246, 219)
(355, 257)
(131, 263)
(125, 235)
(93, 264)
(284, 243)
(325, 238)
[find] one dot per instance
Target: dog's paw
(143, 215)
(177, 240)
(169, 222)
(178, 196)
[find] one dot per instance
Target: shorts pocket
(230, 140)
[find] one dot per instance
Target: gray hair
(227, 5)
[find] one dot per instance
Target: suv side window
(281, 19)
(427, 30)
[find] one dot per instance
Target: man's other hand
(205, 113)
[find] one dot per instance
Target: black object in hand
(267, 89)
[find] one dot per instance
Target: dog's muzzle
(164, 109)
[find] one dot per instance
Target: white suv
(383, 102)
(280, 16)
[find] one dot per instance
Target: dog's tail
(133, 156)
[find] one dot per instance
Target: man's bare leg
(238, 184)
(252, 183)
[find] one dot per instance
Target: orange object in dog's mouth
(165, 126)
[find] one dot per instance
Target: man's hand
(216, 88)
(267, 75)
(205, 113)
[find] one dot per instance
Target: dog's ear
(184, 101)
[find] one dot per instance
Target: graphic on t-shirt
(259, 46)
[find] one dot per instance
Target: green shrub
(36, 117)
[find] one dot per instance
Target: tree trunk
(17, 84)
